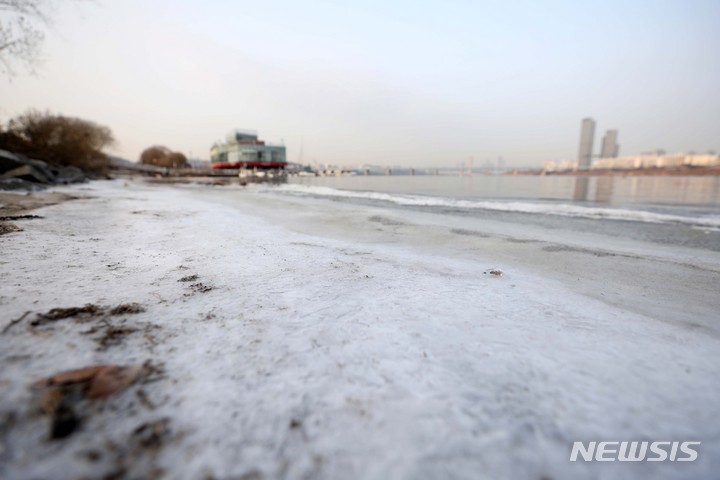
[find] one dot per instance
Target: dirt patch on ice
(495, 272)
(137, 456)
(469, 233)
(86, 313)
(125, 308)
(13, 204)
(19, 217)
(197, 287)
(586, 251)
(13, 207)
(114, 335)
(200, 288)
(388, 222)
(6, 227)
(79, 313)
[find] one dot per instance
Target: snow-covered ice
(355, 341)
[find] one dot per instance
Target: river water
(667, 210)
(693, 193)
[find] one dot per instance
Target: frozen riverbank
(332, 340)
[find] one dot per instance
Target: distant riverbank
(679, 171)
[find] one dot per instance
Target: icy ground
(321, 340)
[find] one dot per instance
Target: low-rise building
(560, 165)
(674, 160)
(243, 149)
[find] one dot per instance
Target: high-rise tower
(610, 147)
(587, 135)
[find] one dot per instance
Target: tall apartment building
(587, 135)
(610, 147)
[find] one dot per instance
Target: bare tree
(161, 156)
(58, 140)
(20, 33)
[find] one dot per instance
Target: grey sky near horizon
(396, 83)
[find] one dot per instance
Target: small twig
(13, 322)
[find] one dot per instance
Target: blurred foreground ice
(345, 342)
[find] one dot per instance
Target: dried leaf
(102, 380)
(72, 376)
(111, 380)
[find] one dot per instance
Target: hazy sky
(385, 82)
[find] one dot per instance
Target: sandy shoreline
(299, 338)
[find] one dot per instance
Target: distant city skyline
(426, 84)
